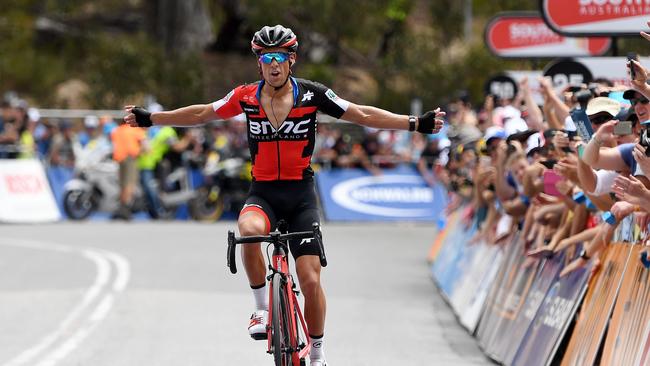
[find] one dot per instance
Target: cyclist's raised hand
(431, 121)
(137, 116)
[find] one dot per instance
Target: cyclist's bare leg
(308, 269)
(253, 223)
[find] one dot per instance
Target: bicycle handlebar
(274, 238)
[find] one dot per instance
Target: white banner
(533, 82)
(25, 193)
(612, 68)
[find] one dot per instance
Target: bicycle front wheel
(280, 327)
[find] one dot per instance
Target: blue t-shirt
(626, 153)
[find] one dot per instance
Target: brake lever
(319, 239)
(231, 252)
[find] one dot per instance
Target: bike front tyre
(280, 327)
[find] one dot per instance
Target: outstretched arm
(186, 116)
(430, 122)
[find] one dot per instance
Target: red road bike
(286, 329)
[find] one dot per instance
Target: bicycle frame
(279, 266)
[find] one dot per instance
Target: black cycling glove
(142, 117)
(427, 122)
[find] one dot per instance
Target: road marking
(81, 320)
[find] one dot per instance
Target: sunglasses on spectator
(642, 101)
(599, 120)
(280, 57)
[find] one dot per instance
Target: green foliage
(359, 24)
(323, 73)
(409, 54)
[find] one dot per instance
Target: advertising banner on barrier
(25, 194)
(398, 194)
(596, 17)
(543, 281)
(597, 307)
(472, 313)
(552, 320)
(524, 34)
(510, 266)
(448, 268)
(518, 287)
(625, 335)
(476, 273)
(441, 236)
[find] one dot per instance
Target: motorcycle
(225, 188)
(95, 186)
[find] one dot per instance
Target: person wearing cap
(91, 130)
(600, 152)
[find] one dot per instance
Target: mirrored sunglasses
(280, 57)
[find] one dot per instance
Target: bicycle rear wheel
(280, 327)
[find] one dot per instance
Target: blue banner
(398, 194)
(552, 319)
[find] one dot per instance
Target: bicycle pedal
(259, 336)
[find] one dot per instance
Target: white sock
(261, 298)
(317, 352)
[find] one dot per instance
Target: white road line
(75, 328)
(123, 270)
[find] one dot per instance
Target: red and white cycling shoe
(257, 325)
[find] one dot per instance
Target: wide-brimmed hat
(603, 105)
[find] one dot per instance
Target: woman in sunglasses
(280, 114)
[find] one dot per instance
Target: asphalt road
(109, 294)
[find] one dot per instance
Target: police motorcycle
(95, 186)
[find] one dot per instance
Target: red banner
(526, 35)
(596, 17)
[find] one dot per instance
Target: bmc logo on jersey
(288, 127)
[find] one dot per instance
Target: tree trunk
(181, 26)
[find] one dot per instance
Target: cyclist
(280, 113)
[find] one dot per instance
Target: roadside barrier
(523, 313)
(25, 194)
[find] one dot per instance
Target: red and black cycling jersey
(285, 153)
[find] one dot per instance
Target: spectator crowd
(562, 173)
